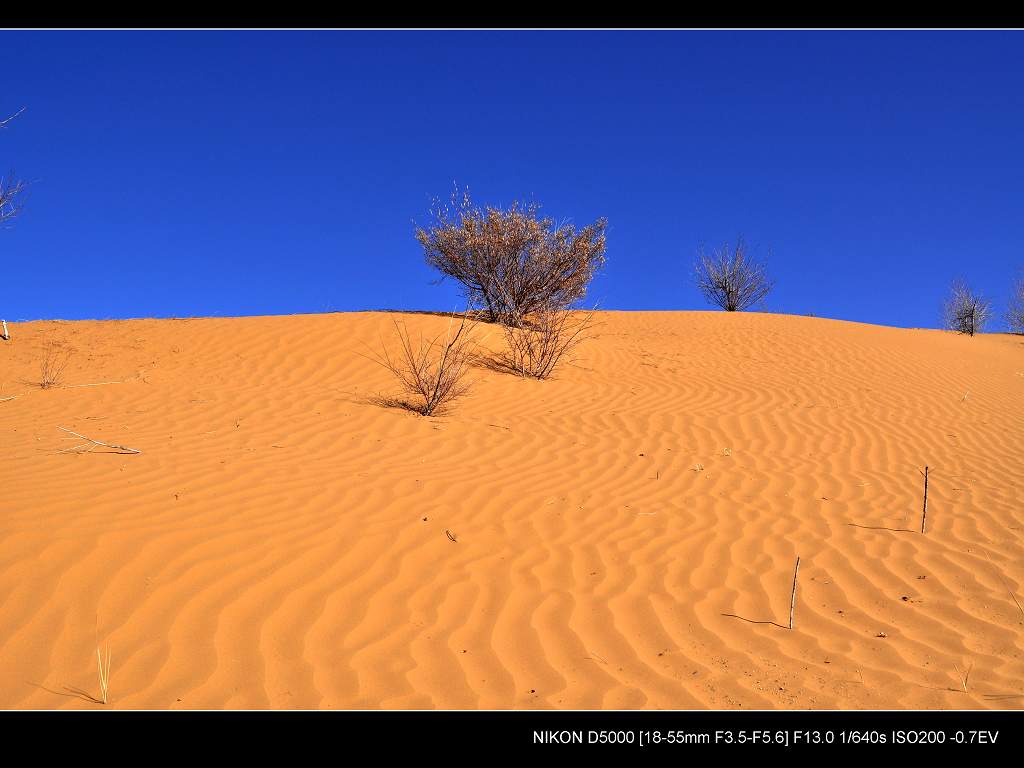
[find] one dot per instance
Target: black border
(508, 734)
(478, 735)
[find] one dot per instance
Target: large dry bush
(1015, 311)
(965, 311)
(550, 334)
(433, 371)
(730, 278)
(512, 262)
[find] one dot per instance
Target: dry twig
(103, 667)
(93, 444)
(963, 677)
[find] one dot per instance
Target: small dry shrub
(432, 371)
(965, 311)
(1015, 312)
(51, 367)
(12, 190)
(729, 278)
(535, 349)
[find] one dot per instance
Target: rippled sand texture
(625, 533)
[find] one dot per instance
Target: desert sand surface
(625, 533)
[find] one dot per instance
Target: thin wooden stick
(792, 599)
(924, 512)
(6, 335)
(94, 444)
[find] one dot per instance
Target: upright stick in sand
(5, 335)
(924, 512)
(792, 599)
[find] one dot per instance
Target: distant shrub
(512, 262)
(12, 190)
(1015, 312)
(432, 371)
(965, 311)
(729, 278)
(535, 349)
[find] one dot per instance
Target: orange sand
(280, 541)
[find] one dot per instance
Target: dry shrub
(512, 262)
(965, 311)
(1015, 312)
(12, 190)
(434, 370)
(731, 279)
(51, 367)
(535, 349)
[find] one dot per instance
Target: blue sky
(230, 173)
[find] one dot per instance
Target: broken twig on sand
(963, 677)
(97, 384)
(92, 444)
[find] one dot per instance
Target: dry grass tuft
(103, 668)
(51, 368)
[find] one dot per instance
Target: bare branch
(6, 120)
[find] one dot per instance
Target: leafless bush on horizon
(730, 279)
(51, 367)
(1015, 311)
(11, 189)
(965, 311)
(537, 347)
(511, 262)
(434, 370)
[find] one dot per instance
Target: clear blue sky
(230, 173)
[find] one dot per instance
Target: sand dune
(625, 533)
